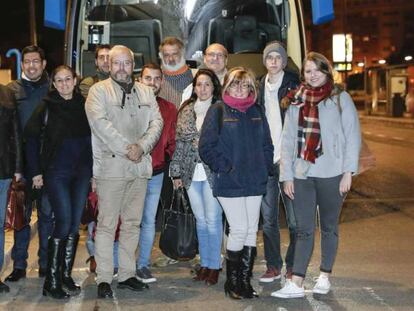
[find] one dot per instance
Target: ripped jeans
(310, 193)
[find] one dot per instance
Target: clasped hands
(135, 152)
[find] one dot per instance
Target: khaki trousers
(124, 199)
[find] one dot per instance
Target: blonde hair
(240, 74)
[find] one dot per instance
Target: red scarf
(309, 131)
(240, 104)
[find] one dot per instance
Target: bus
(244, 27)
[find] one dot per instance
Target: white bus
(244, 27)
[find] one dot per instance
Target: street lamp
(382, 61)
(408, 58)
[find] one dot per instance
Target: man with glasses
(215, 58)
(126, 124)
(177, 75)
(29, 91)
(102, 69)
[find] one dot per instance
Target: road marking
(380, 135)
(397, 138)
(317, 305)
(375, 296)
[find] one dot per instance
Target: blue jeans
(45, 227)
(270, 214)
(146, 238)
(208, 214)
(90, 244)
(67, 191)
(4, 187)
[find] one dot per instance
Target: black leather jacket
(10, 143)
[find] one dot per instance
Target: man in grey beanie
(272, 88)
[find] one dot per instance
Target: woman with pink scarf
(235, 143)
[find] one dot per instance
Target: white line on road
(397, 138)
(375, 296)
(380, 135)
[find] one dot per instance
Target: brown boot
(92, 264)
(212, 277)
(201, 274)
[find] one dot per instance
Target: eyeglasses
(125, 63)
(216, 55)
(35, 62)
(239, 85)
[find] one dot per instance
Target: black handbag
(178, 238)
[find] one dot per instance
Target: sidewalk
(403, 122)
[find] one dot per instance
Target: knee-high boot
(68, 260)
(53, 281)
(231, 287)
(246, 272)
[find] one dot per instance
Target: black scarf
(67, 116)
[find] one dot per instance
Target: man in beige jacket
(126, 125)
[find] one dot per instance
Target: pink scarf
(240, 104)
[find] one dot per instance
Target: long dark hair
(216, 87)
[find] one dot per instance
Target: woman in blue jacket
(58, 139)
(235, 143)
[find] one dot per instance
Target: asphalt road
(374, 268)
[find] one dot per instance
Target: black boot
(247, 262)
(231, 286)
(53, 282)
(68, 260)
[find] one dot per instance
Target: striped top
(174, 84)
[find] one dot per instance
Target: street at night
(374, 269)
(115, 113)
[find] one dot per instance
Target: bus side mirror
(322, 11)
(55, 14)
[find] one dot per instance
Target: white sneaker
(322, 285)
(289, 290)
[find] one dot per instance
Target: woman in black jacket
(10, 158)
(59, 145)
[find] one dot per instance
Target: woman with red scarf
(235, 143)
(320, 150)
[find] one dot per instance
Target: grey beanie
(275, 47)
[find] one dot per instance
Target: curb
(402, 122)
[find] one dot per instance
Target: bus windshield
(242, 26)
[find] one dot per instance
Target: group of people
(237, 145)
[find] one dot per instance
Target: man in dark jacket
(273, 87)
(29, 91)
(102, 69)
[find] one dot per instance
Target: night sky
(15, 33)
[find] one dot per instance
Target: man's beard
(117, 77)
(175, 67)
